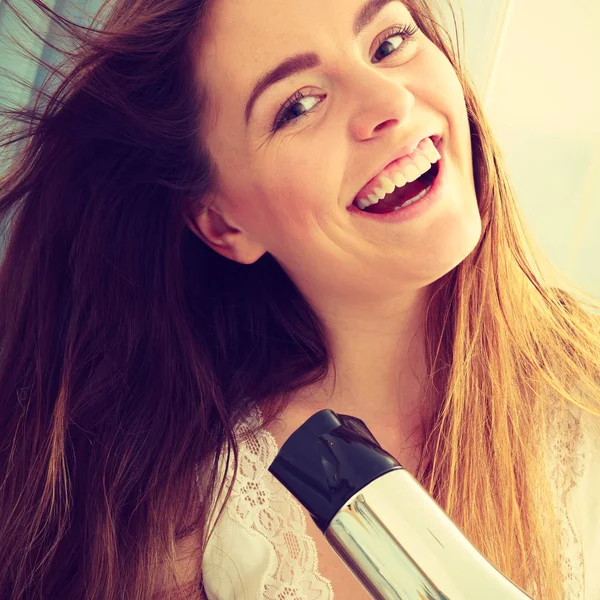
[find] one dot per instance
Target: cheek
(440, 84)
(447, 97)
(306, 184)
(295, 221)
(449, 93)
(273, 210)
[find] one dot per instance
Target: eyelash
(407, 32)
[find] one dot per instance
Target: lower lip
(416, 209)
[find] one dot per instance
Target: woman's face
(286, 177)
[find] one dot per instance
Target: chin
(448, 253)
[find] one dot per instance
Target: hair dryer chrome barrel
(379, 519)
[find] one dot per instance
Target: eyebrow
(309, 60)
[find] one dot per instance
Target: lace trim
(566, 466)
(260, 502)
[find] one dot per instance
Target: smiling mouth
(406, 195)
(409, 191)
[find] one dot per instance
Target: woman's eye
(289, 110)
(291, 106)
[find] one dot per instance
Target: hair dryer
(379, 519)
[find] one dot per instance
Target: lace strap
(261, 503)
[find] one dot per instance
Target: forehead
(242, 39)
(264, 21)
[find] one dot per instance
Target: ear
(223, 236)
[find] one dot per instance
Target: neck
(377, 370)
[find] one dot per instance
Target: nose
(378, 100)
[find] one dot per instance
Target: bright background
(536, 64)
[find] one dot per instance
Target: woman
(190, 272)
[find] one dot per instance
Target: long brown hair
(129, 350)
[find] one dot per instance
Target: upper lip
(395, 155)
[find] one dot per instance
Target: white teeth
(388, 185)
(400, 180)
(421, 164)
(411, 172)
(380, 193)
(431, 152)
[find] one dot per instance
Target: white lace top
(259, 548)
